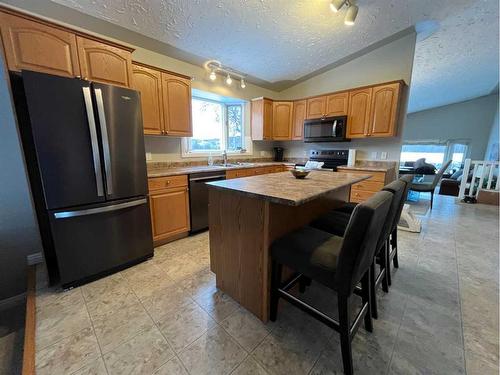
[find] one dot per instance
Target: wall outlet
(383, 155)
(149, 156)
(374, 155)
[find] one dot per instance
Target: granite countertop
(284, 188)
(172, 171)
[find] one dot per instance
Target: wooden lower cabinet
(367, 188)
(169, 204)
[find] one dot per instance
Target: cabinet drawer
(360, 195)
(160, 183)
(368, 185)
(375, 176)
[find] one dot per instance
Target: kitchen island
(247, 214)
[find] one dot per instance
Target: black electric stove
(331, 158)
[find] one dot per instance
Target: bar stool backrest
(360, 241)
(397, 188)
(407, 179)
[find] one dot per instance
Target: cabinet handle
(168, 182)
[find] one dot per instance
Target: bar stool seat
(311, 252)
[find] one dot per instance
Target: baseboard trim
(12, 301)
(35, 258)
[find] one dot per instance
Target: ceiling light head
(212, 75)
(242, 83)
(351, 15)
(228, 79)
(335, 5)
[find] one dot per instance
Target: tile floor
(166, 316)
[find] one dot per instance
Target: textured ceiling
(283, 40)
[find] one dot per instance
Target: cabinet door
(316, 107)
(176, 105)
(148, 83)
(336, 104)
(261, 121)
(34, 46)
(299, 115)
(169, 213)
(282, 120)
(104, 63)
(358, 117)
(384, 110)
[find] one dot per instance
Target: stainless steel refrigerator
(84, 148)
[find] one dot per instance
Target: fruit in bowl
(300, 173)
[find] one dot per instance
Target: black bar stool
(339, 263)
(334, 222)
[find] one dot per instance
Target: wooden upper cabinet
(358, 116)
(337, 104)
(104, 63)
(176, 95)
(316, 107)
(148, 82)
(261, 119)
(384, 110)
(299, 115)
(282, 120)
(35, 46)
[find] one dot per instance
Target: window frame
(186, 152)
(448, 145)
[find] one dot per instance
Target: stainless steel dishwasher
(198, 198)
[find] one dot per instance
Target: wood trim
(161, 69)
(63, 28)
(30, 324)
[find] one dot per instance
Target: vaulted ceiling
(281, 41)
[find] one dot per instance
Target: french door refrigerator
(84, 148)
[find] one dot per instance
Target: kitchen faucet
(224, 157)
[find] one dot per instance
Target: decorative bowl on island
(300, 173)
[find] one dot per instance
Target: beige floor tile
(164, 301)
(55, 322)
(96, 367)
(172, 367)
(143, 354)
(114, 327)
(105, 290)
(181, 326)
(478, 365)
(200, 283)
(218, 304)
(58, 297)
(215, 352)
(68, 355)
(245, 328)
(249, 367)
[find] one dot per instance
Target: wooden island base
(242, 228)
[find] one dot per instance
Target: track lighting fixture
(351, 14)
(352, 10)
(335, 5)
(215, 67)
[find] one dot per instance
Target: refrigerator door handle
(98, 210)
(105, 140)
(93, 140)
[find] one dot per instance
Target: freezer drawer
(97, 240)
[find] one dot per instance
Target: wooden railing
(485, 175)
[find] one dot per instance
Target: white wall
(470, 120)
(19, 234)
(393, 61)
(493, 140)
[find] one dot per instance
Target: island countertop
(284, 188)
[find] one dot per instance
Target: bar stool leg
(345, 338)
(366, 298)
(373, 292)
(395, 247)
(387, 281)
(275, 284)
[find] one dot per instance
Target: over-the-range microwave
(326, 129)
